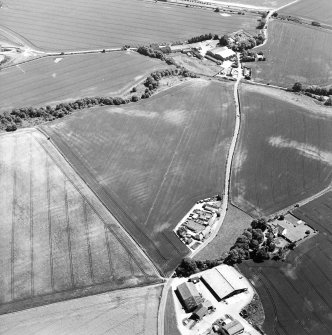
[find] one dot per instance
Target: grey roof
(188, 290)
(234, 327)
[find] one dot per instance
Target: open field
(57, 241)
(316, 10)
(317, 213)
(132, 311)
(149, 162)
(294, 53)
(257, 3)
(233, 225)
(170, 326)
(52, 80)
(297, 294)
(283, 154)
(81, 24)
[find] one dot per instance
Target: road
(229, 162)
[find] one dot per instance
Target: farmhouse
(189, 296)
(233, 328)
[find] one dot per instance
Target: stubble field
(296, 294)
(284, 154)
(151, 161)
(294, 53)
(53, 80)
(57, 241)
(80, 24)
(131, 311)
(316, 10)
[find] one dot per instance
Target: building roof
(217, 282)
(281, 229)
(200, 311)
(194, 226)
(224, 52)
(233, 328)
(187, 290)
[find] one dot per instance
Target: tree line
(14, 119)
(315, 91)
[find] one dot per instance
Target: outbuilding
(233, 328)
(189, 296)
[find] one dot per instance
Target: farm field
(316, 10)
(257, 3)
(80, 24)
(296, 295)
(291, 58)
(149, 162)
(131, 311)
(283, 153)
(57, 241)
(235, 222)
(53, 80)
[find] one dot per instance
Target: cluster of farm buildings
(206, 301)
(221, 55)
(197, 225)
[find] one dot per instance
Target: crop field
(291, 58)
(57, 241)
(131, 311)
(258, 3)
(235, 222)
(283, 155)
(81, 24)
(52, 80)
(297, 294)
(318, 213)
(149, 162)
(316, 10)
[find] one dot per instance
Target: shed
(200, 312)
(194, 226)
(233, 328)
(189, 296)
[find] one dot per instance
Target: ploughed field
(316, 10)
(53, 80)
(284, 154)
(81, 24)
(149, 162)
(131, 311)
(294, 53)
(57, 241)
(297, 294)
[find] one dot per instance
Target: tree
(271, 247)
(224, 41)
(254, 245)
(297, 87)
(248, 234)
(258, 235)
(261, 255)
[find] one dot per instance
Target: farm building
(200, 312)
(194, 226)
(233, 328)
(189, 296)
(219, 285)
(222, 53)
(247, 73)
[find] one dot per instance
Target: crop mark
(93, 185)
(108, 251)
(31, 214)
(49, 219)
(87, 232)
(13, 221)
(96, 212)
(165, 175)
(68, 235)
